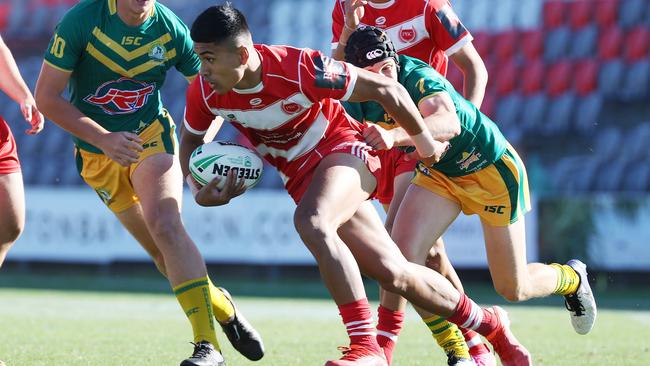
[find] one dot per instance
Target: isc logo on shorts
(121, 96)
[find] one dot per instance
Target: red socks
(360, 325)
(388, 327)
(471, 316)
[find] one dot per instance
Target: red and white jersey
(428, 30)
(285, 116)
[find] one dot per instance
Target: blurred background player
(283, 100)
(480, 174)
(114, 56)
(12, 196)
(432, 32)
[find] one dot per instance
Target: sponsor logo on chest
(122, 96)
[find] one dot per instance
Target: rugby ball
(217, 158)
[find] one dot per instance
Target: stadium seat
(637, 178)
(558, 117)
(558, 77)
(488, 105)
(610, 43)
(606, 12)
(455, 77)
(583, 43)
(505, 45)
(555, 12)
(587, 113)
(631, 12)
(532, 77)
(636, 83)
(563, 173)
(586, 76)
(533, 115)
(503, 16)
(611, 175)
(528, 14)
(532, 44)
(581, 13)
(507, 112)
(610, 77)
(608, 143)
(506, 78)
(556, 44)
(637, 44)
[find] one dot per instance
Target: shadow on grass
(264, 283)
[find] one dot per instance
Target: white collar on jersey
(381, 5)
(256, 89)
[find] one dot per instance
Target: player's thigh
(505, 247)
(400, 185)
(12, 205)
(422, 216)
(369, 242)
(157, 181)
(340, 183)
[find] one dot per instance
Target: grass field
(70, 325)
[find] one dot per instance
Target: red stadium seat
(482, 43)
(555, 13)
(532, 77)
(606, 12)
(489, 103)
(506, 78)
(5, 13)
(505, 45)
(637, 44)
(580, 13)
(532, 44)
(558, 78)
(609, 44)
(586, 77)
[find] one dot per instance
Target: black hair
(218, 23)
(368, 45)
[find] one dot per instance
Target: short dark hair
(218, 23)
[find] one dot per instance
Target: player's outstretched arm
(475, 75)
(398, 103)
(12, 83)
(440, 116)
(122, 147)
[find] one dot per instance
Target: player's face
(386, 67)
(222, 66)
(140, 6)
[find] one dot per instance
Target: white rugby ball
(217, 158)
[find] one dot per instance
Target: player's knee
(164, 226)
(394, 278)
(309, 222)
(512, 292)
(10, 233)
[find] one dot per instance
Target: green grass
(64, 327)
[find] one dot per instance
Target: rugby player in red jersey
(285, 101)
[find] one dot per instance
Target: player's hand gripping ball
(215, 159)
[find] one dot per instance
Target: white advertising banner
(72, 225)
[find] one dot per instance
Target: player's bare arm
(352, 17)
(475, 74)
(440, 116)
(397, 103)
(13, 85)
(122, 147)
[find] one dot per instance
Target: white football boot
(204, 355)
(581, 304)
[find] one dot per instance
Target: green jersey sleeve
(188, 62)
(67, 43)
(422, 82)
(354, 109)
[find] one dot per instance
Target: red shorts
(393, 163)
(8, 153)
(348, 142)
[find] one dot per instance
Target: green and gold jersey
(479, 144)
(118, 70)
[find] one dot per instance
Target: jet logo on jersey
(380, 21)
(122, 96)
(407, 35)
(291, 107)
(450, 21)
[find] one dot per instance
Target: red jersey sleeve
(337, 23)
(323, 77)
(446, 29)
(198, 116)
